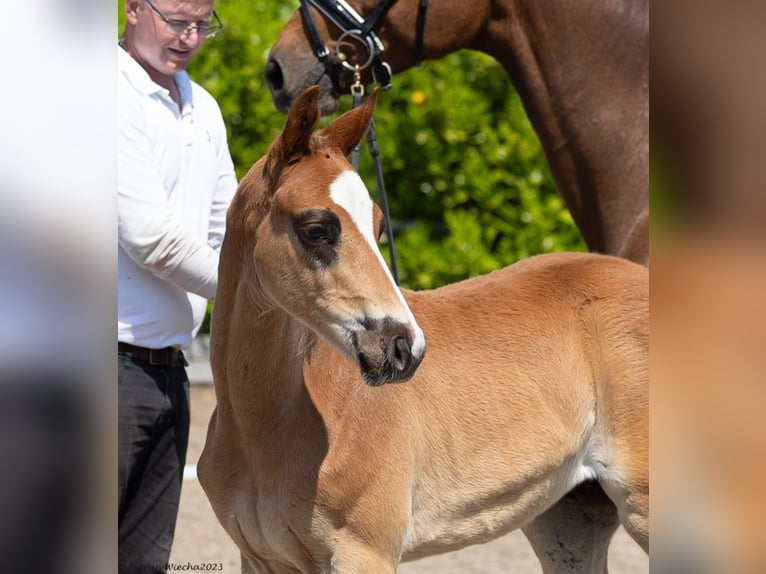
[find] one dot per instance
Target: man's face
(160, 50)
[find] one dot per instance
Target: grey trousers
(153, 436)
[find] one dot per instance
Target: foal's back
(586, 307)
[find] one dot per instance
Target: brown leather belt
(167, 357)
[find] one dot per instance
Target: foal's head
(316, 254)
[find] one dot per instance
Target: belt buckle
(161, 359)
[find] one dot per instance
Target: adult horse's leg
(636, 246)
(572, 537)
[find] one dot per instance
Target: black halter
(352, 23)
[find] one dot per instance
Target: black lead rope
(372, 144)
(357, 91)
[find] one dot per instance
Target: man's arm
(148, 230)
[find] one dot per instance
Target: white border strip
(190, 472)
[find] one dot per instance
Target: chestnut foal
(528, 410)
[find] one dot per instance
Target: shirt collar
(183, 83)
(141, 81)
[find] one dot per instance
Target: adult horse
(581, 69)
(529, 409)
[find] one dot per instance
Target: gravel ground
(200, 539)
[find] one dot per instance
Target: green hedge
(468, 187)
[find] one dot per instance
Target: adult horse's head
(581, 70)
(313, 242)
(325, 40)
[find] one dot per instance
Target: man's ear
(132, 7)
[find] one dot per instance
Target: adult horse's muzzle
(284, 91)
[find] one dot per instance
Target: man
(175, 182)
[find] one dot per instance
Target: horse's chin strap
(320, 50)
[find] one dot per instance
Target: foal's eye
(317, 227)
(315, 234)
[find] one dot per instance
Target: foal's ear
(293, 141)
(349, 129)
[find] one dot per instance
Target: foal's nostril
(273, 75)
(399, 353)
(384, 351)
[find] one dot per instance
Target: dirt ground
(201, 540)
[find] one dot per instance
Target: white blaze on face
(349, 191)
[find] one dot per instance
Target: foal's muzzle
(384, 350)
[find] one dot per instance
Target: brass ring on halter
(356, 35)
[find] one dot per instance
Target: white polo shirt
(175, 182)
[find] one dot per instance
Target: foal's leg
(256, 566)
(361, 560)
(633, 507)
(572, 537)
(248, 567)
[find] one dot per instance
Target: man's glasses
(182, 27)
